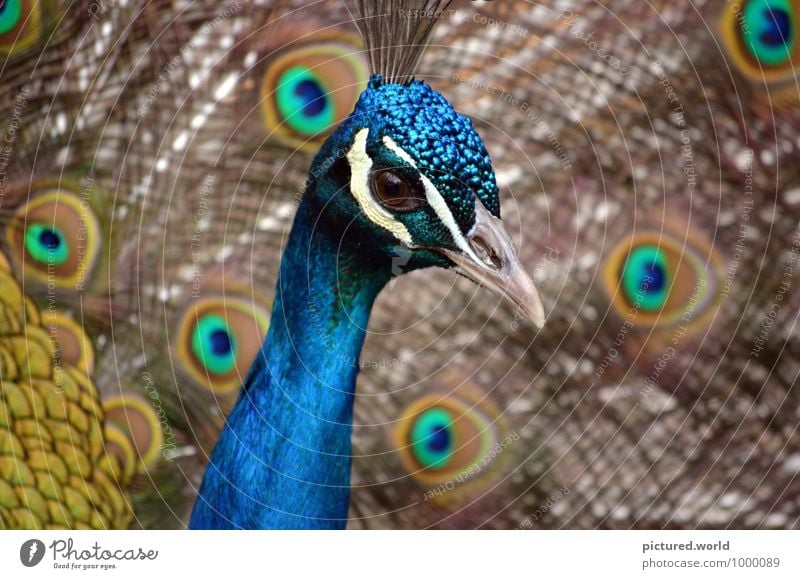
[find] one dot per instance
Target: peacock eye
(134, 430)
(432, 438)
(46, 243)
(646, 277)
(10, 15)
(304, 101)
(74, 346)
(395, 192)
(213, 343)
(442, 437)
(659, 279)
(219, 337)
(309, 87)
(56, 238)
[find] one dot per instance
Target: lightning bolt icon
(34, 548)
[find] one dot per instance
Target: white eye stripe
(360, 166)
(435, 200)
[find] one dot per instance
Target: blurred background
(647, 155)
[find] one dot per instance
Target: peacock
(410, 179)
(159, 160)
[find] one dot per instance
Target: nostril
(484, 250)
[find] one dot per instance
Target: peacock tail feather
(57, 470)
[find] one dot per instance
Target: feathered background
(149, 171)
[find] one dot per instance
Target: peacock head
(410, 178)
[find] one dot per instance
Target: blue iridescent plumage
(283, 460)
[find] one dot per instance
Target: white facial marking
(360, 166)
(435, 200)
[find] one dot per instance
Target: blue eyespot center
(439, 438)
(46, 244)
(432, 438)
(646, 277)
(10, 15)
(778, 27)
(213, 344)
(221, 343)
(312, 96)
(49, 239)
(653, 278)
(768, 31)
(303, 101)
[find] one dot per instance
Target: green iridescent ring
(213, 344)
(768, 30)
(46, 244)
(303, 101)
(432, 438)
(10, 16)
(646, 277)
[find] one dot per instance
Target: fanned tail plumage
(647, 154)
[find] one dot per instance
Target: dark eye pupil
(395, 192)
(393, 186)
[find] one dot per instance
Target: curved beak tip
(492, 262)
(521, 290)
(535, 310)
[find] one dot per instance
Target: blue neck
(283, 459)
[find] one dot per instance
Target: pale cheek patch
(360, 166)
(435, 200)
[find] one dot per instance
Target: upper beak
(493, 263)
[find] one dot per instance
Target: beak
(493, 263)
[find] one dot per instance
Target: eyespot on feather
(218, 339)
(55, 238)
(119, 444)
(22, 26)
(137, 419)
(452, 443)
(311, 85)
(74, 345)
(656, 279)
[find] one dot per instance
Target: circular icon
(31, 552)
